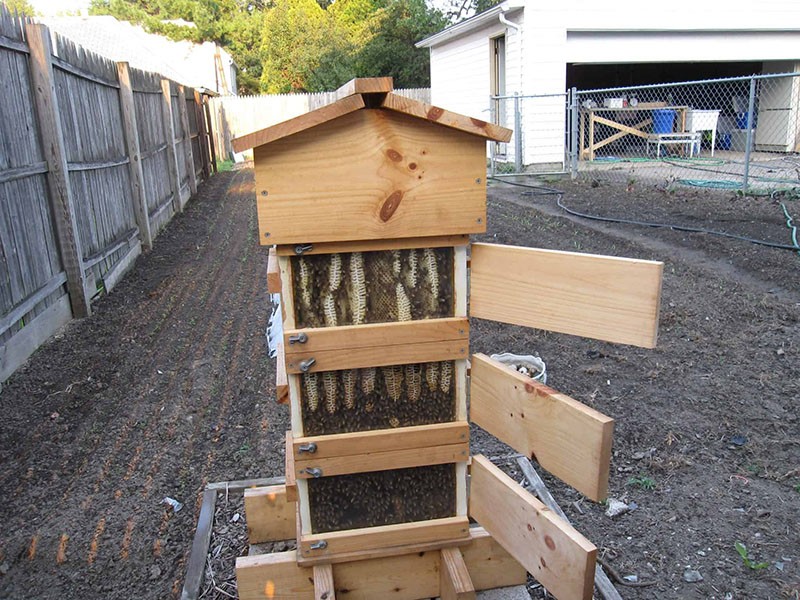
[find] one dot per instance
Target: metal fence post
(573, 133)
(517, 135)
(492, 145)
(750, 110)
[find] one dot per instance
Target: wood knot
(435, 113)
(543, 561)
(478, 123)
(412, 166)
(390, 205)
(549, 542)
(394, 155)
(530, 388)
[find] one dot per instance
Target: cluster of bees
(382, 498)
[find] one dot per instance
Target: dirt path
(167, 387)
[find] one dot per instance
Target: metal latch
(306, 364)
(320, 545)
(310, 448)
(301, 249)
(300, 338)
(315, 472)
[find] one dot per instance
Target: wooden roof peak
(373, 92)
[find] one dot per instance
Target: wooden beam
(384, 536)
(602, 297)
(567, 438)
(54, 150)
(199, 554)
(382, 461)
(400, 577)
(273, 272)
(188, 156)
(298, 124)
(441, 241)
(557, 555)
(365, 85)
(440, 116)
(172, 156)
(291, 482)
(131, 130)
(323, 583)
(378, 344)
(270, 516)
(202, 136)
(455, 582)
(206, 123)
(281, 378)
(384, 440)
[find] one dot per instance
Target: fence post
(573, 127)
(187, 140)
(517, 135)
(751, 104)
(131, 131)
(172, 156)
(201, 135)
(60, 191)
(207, 127)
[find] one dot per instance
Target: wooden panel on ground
(401, 577)
(199, 554)
(415, 108)
(273, 273)
(403, 178)
(362, 442)
(382, 461)
(366, 85)
(291, 482)
(567, 438)
(455, 582)
(377, 345)
(323, 583)
(557, 555)
(281, 379)
(602, 297)
(270, 517)
(363, 541)
(298, 124)
(441, 241)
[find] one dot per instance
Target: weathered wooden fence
(95, 158)
(232, 116)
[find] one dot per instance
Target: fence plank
(187, 140)
(172, 157)
(130, 126)
(201, 129)
(58, 178)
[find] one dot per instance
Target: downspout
(506, 22)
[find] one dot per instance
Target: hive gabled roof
(374, 92)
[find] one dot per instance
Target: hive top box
(372, 165)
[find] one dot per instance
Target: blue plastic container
(741, 120)
(663, 120)
(724, 141)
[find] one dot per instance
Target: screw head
(478, 180)
(264, 192)
(266, 234)
(480, 220)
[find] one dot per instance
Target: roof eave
(470, 24)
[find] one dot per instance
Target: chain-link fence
(736, 133)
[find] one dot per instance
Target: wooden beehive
(369, 203)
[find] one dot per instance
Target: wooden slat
(601, 297)
(331, 360)
(362, 442)
(323, 583)
(281, 378)
(567, 438)
(199, 553)
(298, 124)
(402, 577)
(188, 157)
(455, 582)
(172, 155)
(365, 85)
(442, 241)
(270, 516)
(383, 461)
(434, 114)
(273, 273)
(402, 178)
(385, 536)
(557, 555)
(291, 482)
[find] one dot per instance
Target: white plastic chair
(703, 120)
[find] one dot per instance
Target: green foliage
(742, 550)
(643, 482)
(20, 7)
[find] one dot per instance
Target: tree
(20, 7)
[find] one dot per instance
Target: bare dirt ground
(168, 386)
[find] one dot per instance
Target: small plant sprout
(642, 481)
(749, 563)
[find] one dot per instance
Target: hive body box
(369, 203)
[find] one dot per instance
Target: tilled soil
(168, 387)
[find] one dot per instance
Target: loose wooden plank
(365, 85)
(291, 482)
(270, 516)
(296, 125)
(441, 241)
(401, 577)
(385, 536)
(323, 583)
(382, 461)
(602, 297)
(273, 273)
(557, 555)
(198, 556)
(455, 582)
(361, 442)
(431, 181)
(567, 438)
(281, 378)
(434, 114)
